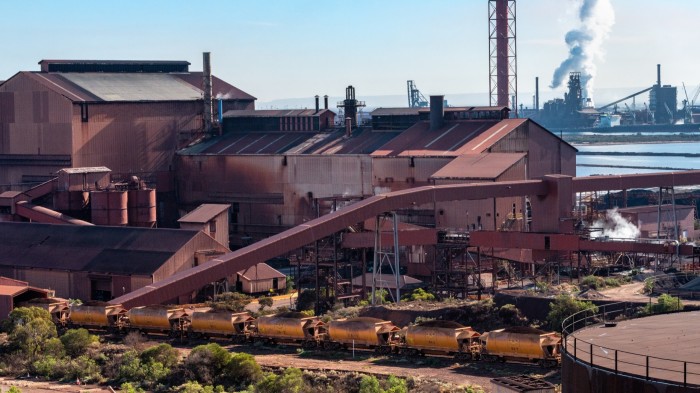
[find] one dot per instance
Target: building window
(212, 226)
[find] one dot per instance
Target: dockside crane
(415, 98)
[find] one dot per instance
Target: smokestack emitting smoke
(585, 43)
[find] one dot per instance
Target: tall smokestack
(206, 87)
(537, 93)
(325, 102)
(437, 112)
(317, 104)
(658, 75)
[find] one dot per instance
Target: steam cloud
(585, 43)
(615, 226)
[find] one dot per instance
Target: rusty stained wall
(58, 280)
(184, 258)
(35, 120)
(268, 195)
(466, 215)
(400, 173)
(133, 137)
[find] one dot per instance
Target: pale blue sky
(299, 48)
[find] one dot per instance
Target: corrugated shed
(487, 138)
(95, 248)
(260, 271)
(395, 112)
(220, 88)
(485, 166)
(133, 87)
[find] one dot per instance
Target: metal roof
(204, 213)
(94, 169)
(134, 86)
(654, 208)
(275, 113)
(115, 87)
(260, 271)
(420, 140)
(387, 281)
(103, 249)
(362, 141)
(485, 166)
(395, 111)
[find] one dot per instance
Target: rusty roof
(96, 169)
(420, 140)
(395, 112)
(204, 213)
(654, 208)
(104, 249)
(363, 141)
(485, 166)
(387, 281)
(260, 271)
(275, 112)
(133, 87)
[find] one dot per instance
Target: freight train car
(443, 338)
(98, 315)
(57, 307)
(289, 327)
(522, 344)
(207, 322)
(173, 321)
(363, 332)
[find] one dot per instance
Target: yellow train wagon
(522, 344)
(209, 322)
(97, 315)
(362, 332)
(289, 327)
(441, 338)
(172, 320)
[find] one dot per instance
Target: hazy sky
(299, 48)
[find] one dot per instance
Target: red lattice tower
(503, 66)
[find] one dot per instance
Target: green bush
(396, 385)
(592, 282)
(127, 387)
(230, 301)
(14, 389)
(265, 301)
(77, 341)
(206, 363)
(291, 381)
(30, 329)
(419, 294)
(370, 384)
(665, 303)
(649, 284)
(195, 387)
(242, 369)
(164, 354)
(511, 315)
(564, 306)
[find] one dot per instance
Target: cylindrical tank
(142, 207)
(442, 336)
(70, 201)
(109, 208)
(522, 342)
(361, 331)
(219, 322)
(155, 317)
(95, 314)
(288, 326)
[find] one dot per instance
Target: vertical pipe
(325, 102)
(397, 264)
(207, 88)
(658, 216)
(537, 93)
(658, 75)
(317, 104)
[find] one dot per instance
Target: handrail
(622, 362)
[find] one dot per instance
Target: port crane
(415, 98)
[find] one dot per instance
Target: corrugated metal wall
(184, 258)
(60, 281)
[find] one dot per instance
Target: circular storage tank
(109, 208)
(142, 208)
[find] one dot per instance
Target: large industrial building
(130, 116)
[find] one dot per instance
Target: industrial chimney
(437, 112)
(206, 87)
(317, 104)
(537, 93)
(658, 75)
(325, 102)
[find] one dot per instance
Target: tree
(77, 341)
(164, 354)
(242, 369)
(564, 306)
(666, 303)
(370, 384)
(265, 302)
(29, 330)
(206, 363)
(291, 381)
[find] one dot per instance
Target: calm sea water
(610, 165)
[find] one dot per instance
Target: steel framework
(503, 65)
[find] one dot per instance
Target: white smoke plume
(226, 96)
(586, 43)
(615, 226)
